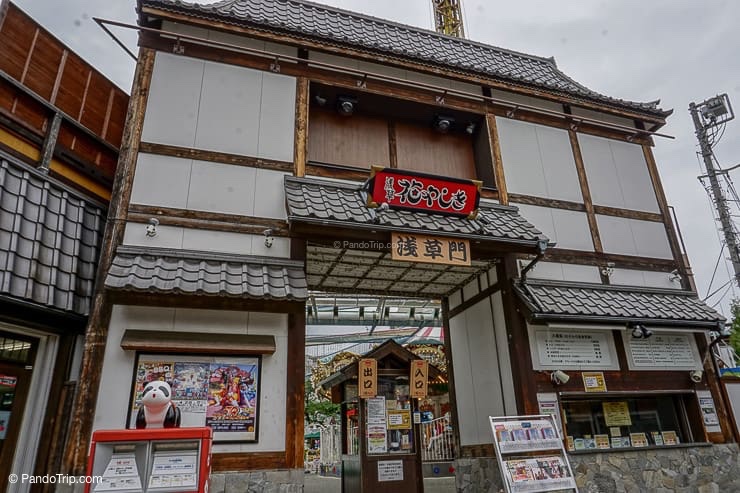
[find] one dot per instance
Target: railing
(437, 441)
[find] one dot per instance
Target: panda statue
(157, 409)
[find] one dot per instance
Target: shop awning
(164, 271)
(584, 302)
(166, 342)
(343, 205)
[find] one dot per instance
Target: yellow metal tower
(448, 17)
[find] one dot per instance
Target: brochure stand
(165, 460)
(530, 454)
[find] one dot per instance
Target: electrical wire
(711, 281)
(717, 290)
(723, 296)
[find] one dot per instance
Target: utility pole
(709, 114)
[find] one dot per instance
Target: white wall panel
(167, 236)
(229, 114)
(217, 241)
(161, 180)
(502, 345)
(269, 194)
(633, 237)
(528, 100)
(476, 357)
(223, 188)
(603, 117)
(280, 247)
(652, 279)
(617, 174)
(172, 105)
(538, 160)
(277, 117)
(213, 321)
(581, 273)
(569, 229)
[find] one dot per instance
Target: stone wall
(702, 469)
(281, 481)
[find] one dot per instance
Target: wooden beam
(486, 293)
(687, 280)
(75, 457)
(586, 193)
(566, 256)
(215, 157)
(58, 79)
(252, 461)
(723, 413)
(628, 213)
(392, 145)
(213, 221)
(516, 198)
(296, 376)
(50, 141)
(498, 163)
(301, 126)
(108, 109)
(203, 302)
(29, 56)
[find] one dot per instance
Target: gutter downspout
(541, 247)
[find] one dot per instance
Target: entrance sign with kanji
(418, 191)
(419, 378)
(430, 249)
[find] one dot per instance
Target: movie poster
(208, 391)
(232, 398)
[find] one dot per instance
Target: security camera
(151, 228)
(559, 377)
(268, 238)
(696, 376)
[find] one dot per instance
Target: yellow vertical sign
(419, 378)
(368, 378)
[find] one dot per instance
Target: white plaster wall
(205, 240)
(633, 237)
(208, 186)
(569, 229)
(538, 160)
(603, 117)
(563, 272)
(480, 354)
(617, 174)
(118, 365)
(651, 279)
(528, 100)
(399, 73)
(219, 107)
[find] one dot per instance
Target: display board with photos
(530, 453)
(219, 392)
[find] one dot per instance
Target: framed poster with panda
(217, 391)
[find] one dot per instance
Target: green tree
(317, 409)
(735, 334)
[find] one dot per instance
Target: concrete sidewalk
(319, 484)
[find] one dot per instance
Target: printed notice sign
(666, 351)
(616, 413)
(560, 349)
(390, 470)
(708, 411)
(399, 419)
(594, 381)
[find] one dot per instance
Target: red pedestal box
(165, 460)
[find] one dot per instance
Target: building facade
(244, 183)
(61, 123)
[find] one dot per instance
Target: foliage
(735, 335)
(318, 409)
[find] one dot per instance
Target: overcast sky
(677, 51)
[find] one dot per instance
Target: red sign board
(418, 191)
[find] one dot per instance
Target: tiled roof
(340, 204)
(153, 270)
(344, 28)
(49, 240)
(557, 300)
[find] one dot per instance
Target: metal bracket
(178, 48)
(275, 66)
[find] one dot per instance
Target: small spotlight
(443, 124)
(151, 228)
(639, 331)
(320, 100)
(470, 128)
(559, 377)
(696, 376)
(346, 105)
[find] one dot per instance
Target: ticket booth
(381, 440)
